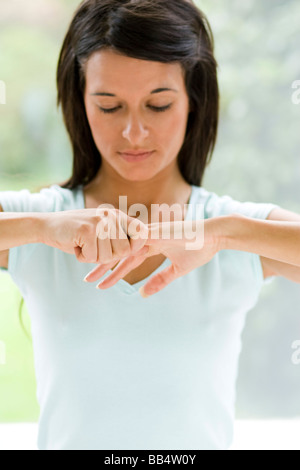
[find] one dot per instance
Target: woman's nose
(135, 130)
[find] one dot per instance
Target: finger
(87, 253)
(159, 281)
(134, 232)
(138, 233)
(98, 272)
(114, 243)
(119, 241)
(153, 250)
(105, 254)
(124, 267)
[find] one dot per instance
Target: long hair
(155, 30)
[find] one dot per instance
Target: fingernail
(142, 292)
(86, 279)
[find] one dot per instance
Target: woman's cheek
(99, 127)
(176, 128)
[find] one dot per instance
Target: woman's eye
(160, 109)
(108, 111)
(154, 108)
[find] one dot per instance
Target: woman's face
(132, 119)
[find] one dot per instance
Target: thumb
(159, 281)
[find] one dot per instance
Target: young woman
(137, 82)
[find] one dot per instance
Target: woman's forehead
(107, 69)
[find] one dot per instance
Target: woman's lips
(136, 158)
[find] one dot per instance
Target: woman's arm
(276, 240)
(3, 254)
(272, 267)
(18, 229)
(93, 235)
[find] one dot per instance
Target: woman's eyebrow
(158, 90)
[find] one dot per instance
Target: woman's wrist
(218, 231)
(213, 231)
(40, 227)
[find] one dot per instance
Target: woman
(116, 371)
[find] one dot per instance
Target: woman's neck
(172, 195)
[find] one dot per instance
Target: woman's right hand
(95, 235)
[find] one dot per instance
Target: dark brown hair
(156, 30)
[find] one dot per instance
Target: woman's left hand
(175, 241)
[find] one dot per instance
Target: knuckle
(86, 230)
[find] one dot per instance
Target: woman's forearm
(18, 229)
(276, 240)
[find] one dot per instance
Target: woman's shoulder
(208, 199)
(52, 198)
(215, 205)
(64, 198)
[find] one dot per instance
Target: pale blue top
(118, 372)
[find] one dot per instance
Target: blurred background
(256, 159)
